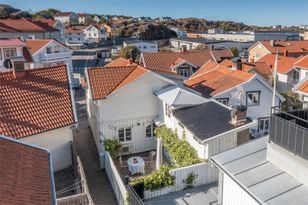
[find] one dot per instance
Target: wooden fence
(203, 174)
(115, 180)
(84, 198)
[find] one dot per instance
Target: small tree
(200, 47)
(234, 51)
(129, 52)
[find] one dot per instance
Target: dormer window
(48, 50)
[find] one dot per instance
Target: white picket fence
(204, 174)
(115, 180)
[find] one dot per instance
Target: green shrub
(113, 147)
(159, 179)
(180, 150)
(189, 181)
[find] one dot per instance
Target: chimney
(237, 64)
(238, 115)
(272, 42)
(130, 61)
(18, 67)
(285, 53)
(184, 49)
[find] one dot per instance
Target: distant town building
(193, 43)
(95, 33)
(246, 36)
(96, 19)
(67, 17)
(83, 18)
(285, 48)
(28, 29)
(179, 33)
(57, 25)
(143, 46)
(74, 37)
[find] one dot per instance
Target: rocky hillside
(7, 11)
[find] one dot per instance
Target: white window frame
(262, 124)
(9, 50)
(48, 47)
(224, 101)
(168, 110)
(254, 94)
(184, 72)
(126, 137)
(152, 127)
(57, 49)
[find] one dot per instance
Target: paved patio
(205, 195)
(98, 182)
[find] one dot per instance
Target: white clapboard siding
(115, 180)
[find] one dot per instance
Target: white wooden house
(66, 17)
(232, 87)
(122, 105)
(204, 124)
(95, 34)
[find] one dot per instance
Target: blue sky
(254, 12)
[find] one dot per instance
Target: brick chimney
(285, 53)
(18, 67)
(130, 61)
(239, 115)
(184, 49)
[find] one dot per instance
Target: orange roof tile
(38, 102)
(36, 44)
(218, 80)
(119, 62)
(227, 63)
(50, 22)
(162, 61)
(290, 46)
(285, 64)
(210, 65)
(24, 25)
(104, 81)
(302, 62)
(26, 176)
(303, 87)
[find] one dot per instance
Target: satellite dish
(8, 64)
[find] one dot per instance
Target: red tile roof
(285, 64)
(162, 61)
(36, 44)
(227, 63)
(302, 62)
(205, 68)
(38, 102)
(63, 14)
(260, 67)
(104, 81)
(73, 31)
(26, 177)
(50, 22)
(11, 42)
(217, 80)
(24, 25)
(290, 46)
(119, 62)
(303, 87)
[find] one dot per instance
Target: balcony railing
(55, 56)
(290, 131)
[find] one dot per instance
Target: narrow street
(98, 182)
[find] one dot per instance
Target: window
(57, 49)
(253, 98)
(145, 47)
(125, 134)
(167, 110)
(0, 54)
(90, 34)
(48, 50)
(78, 39)
(257, 55)
(184, 72)
(94, 34)
(296, 76)
(9, 52)
(224, 101)
(149, 130)
(70, 39)
(263, 125)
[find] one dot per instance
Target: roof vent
(272, 42)
(238, 115)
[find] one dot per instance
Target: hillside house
(66, 17)
(95, 34)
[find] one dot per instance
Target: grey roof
(179, 97)
(205, 120)
(199, 40)
(268, 184)
(133, 41)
